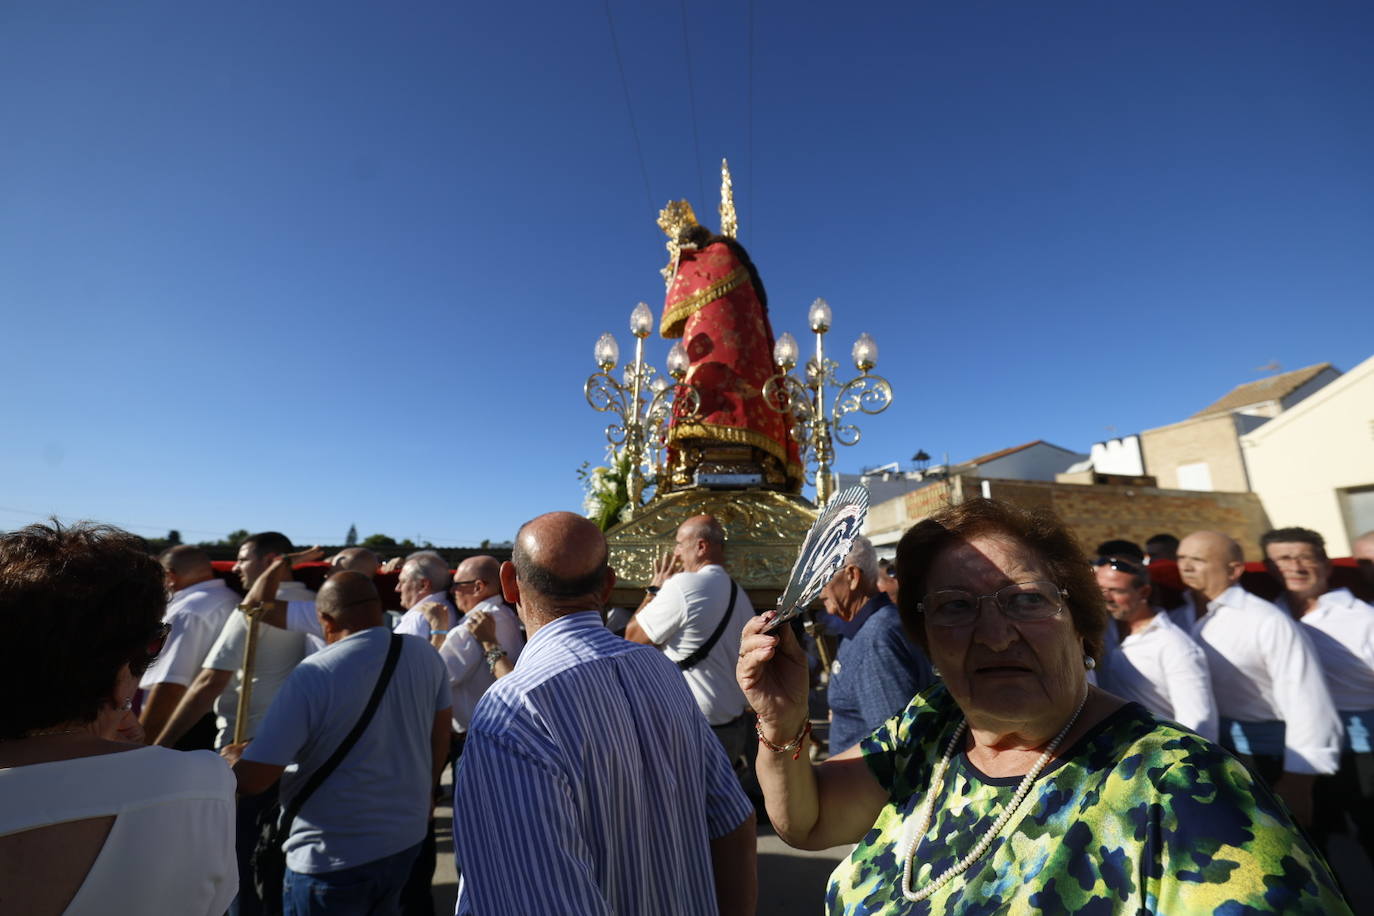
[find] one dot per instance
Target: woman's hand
(772, 672)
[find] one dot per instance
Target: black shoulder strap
(293, 807)
(705, 648)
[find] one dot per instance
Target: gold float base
(764, 530)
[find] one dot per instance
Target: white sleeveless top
(171, 847)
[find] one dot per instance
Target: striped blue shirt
(591, 783)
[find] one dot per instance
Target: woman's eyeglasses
(1024, 601)
(149, 652)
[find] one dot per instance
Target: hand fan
(822, 552)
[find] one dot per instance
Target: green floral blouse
(1139, 816)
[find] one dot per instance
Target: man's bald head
(476, 579)
(700, 542)
(560, 560)
(1210, 562)
(350, 601)
(185, 560)
(358, 559)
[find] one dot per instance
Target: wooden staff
(250, 647)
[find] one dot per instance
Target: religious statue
(716, 303)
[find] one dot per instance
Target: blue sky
(307, 266)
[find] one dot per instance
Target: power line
(749, 112)
(629, 110)
(692, 104)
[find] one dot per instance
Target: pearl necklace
(911, 835)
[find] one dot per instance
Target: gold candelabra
(643, 402)
(816, 426)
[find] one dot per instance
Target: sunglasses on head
(150, 651)
(1119, 565)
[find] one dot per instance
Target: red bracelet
(795, 745)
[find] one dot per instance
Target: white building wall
(1119, 456)
(1300, 461)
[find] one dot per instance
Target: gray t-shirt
(376, 803)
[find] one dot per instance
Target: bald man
(695, 617)
(475, 654)
(200, 604)
(1273, 705)
(351, 847)
(590, 782)
(358, 559)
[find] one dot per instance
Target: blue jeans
(371, 889)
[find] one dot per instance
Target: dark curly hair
(1038, 529)
(76, 604)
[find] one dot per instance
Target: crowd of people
(1012, 724)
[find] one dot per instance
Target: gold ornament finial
(674, 219)
(729, 220)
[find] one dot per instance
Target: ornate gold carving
(675, 218)
(764, 530)
(736, 435)
(729, 220)
(675, 317)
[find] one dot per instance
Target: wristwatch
(651, 589)
(493, 656)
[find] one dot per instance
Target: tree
(351, 540)
(379, 541)
(173, 538)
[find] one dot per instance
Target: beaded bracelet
(794, 745)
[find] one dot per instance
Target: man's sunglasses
(1120, 565)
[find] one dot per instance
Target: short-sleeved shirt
(682, 616)
(196, 615)
(1137, 816)
(275, 656)
(376, 802)
(876, 672)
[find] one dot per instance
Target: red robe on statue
(712, 305)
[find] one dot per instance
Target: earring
(935, 671)
(1089, 662)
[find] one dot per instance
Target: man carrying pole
(241, 676)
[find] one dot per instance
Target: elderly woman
(90, 822)
(1013, 785)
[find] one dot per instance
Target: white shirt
(196, 615)
(171, 846)
(682, 616)
(1341, 628)
(275, 656)
(1166, 672)
(466, 661)
(414, 623)
(1264, 669)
